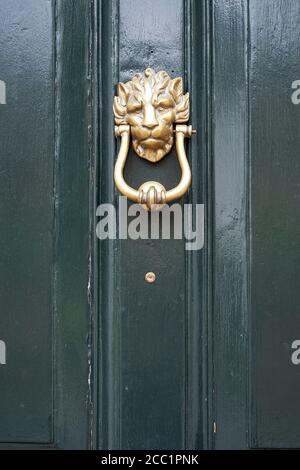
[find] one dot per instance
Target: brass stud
(150, 277)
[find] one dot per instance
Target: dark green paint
(256, 223)
(96, 357)
(275, 222)
(145, 329)
(229, 224)
(46, 309)
(74, 211)
(27, 168)
(152, 372)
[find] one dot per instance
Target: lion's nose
(150, 120)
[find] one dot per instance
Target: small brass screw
(150, 277)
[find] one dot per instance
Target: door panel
(256, 223)
(275, 221)
(27, 146)
(148, 401)
(45, 246)
(151, 372)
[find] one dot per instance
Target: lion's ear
(123, 93)
(120, 111)
(176, 88)
(183, 109)
(120, 104)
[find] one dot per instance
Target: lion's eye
(164, 105)
(134, 107)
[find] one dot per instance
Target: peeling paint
(215, 427)
(2, 92)
(2, 352)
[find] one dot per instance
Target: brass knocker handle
(152, 195)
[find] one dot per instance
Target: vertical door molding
(74, 226)
(230, 248)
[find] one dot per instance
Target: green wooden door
(91, 356)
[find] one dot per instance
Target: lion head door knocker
(146, 109)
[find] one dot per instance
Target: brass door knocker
(145, 110)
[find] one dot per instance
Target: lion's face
(151, 103)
